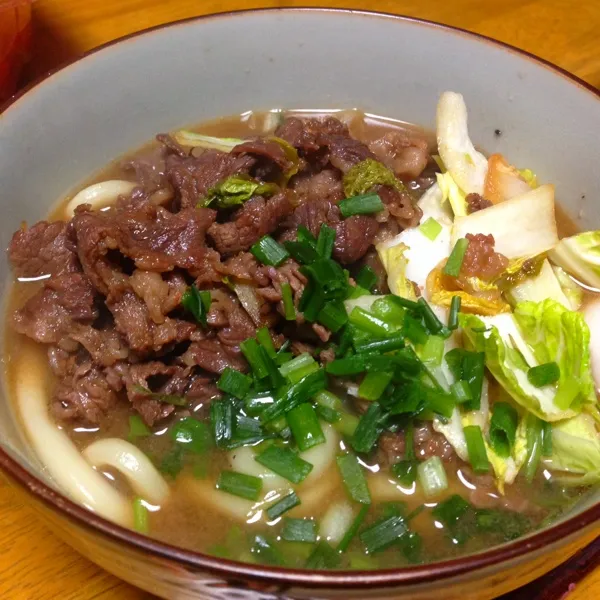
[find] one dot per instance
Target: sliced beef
(193, 176)
(345, 152)
(152, 237)
(227, 315)
(149, 169)
(44, 249)
(481, 260)
(308, 135)
(83, 396)
(324, 185)
(213, 356)
(476, 202)
(161, 294)
(267, 149)
(133, 322)
(407, 155)
(399, 205)
(255, 219)
(57, 309)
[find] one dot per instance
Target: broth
(198, 517)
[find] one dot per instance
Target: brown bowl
(121, 93)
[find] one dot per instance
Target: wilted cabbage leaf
(366, 174)
(579, 255)
(452, 193)
(236, 190)
(394, 262)
(209, 142)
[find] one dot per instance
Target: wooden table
(34, 565)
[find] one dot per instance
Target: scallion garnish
(269, 252)
(405, 472)
(269, 554)
(289, 309)
(296, 364)
(299, 530)
(503, 428)
(323, 557)
(233, 382)
(240, 484)
(370, 427)
(282, 506)
(432, 322)
(461, 391)
(354, 479)
(264, 339)
(305, 426)
(368, 322)
(433, 351)
(137, 428)
(546, 438)
(476, 449)
(468, 366)
(387, 344)
(545, 374)
(251, 350)
(454, 310)
(197, 302)
(374, 384)
(366, 278)
(194, 434)
(455, 260)
(221, 420)
(432, 476)
(383, 534)
(361, 205)
(140, 516)
(325, 241)
(414, 330)
(333, 315)
(284, 462)
(353, 529)
(430, 228)
(304, 252)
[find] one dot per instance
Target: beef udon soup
(311, 341)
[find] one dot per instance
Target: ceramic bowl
(79, 118)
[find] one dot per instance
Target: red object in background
(15, 43)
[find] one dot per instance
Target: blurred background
(51, 32)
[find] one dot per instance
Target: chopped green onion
(430, 228)
(172, 462)
(246, 428)
(333, 316)
(284, 462)
(323, 557)
(503, 428)
(534, 447)
(233, 382)
(267, 551)
(137, 428)
(269, 252)
(476, 449)
(414, 330)
(240, 484)
(353, 529)
(432, 322)
(374, 384)
(299, 530)
(455, 260)
(411, 544)
(461, 391)
(289, 309)
(411, 305)
(272, 371)
(329, 415)
(366, 278)
(304, 252)
(546, 439)
(325, 241)
(194, 434)
(140, 516)
(295, 394)
(545, 374)
(455, 513)
(454, 310)
(369, 428)
(298, 374)
(347, 424)
(256, 402)
(361, 205)
(305, 426)
(392, 342)
(383, 534)
(282, 506)
(389, 311)
(354, 479)
(468, 366)
(328, 277)
(405, 472)
(357, 291)
(438, 401)
(359, 363)
(166, 398)
(364, 320)
(251, 350)
(432, 476)
(282, 358)
(266, 341)
(433, 351)
(297, 364)
(221, 420)
(304, 235)
(197, 302)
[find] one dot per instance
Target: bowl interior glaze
(81, 117)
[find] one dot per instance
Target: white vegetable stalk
(100, 195)
(58, 454)
(208, 142)
(336, 522)
(133, 464)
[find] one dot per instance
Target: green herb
(284, 462)
(461, 391)
(193, 434)
(299, 530)
(546, 439)
(468, 366)
(240, 484)
(454, 310)
(325, 241)
(389, 311)
(368, 173)
(411, 545)
(503, 428)
(251, 350)
(406, 472)
(353, 529)
(264, 339)
(323, 557)
(364, 204)
(236, 190)
(366, 278)
(267, 551)
(414, 330)
(545, 374)
(140, 516)
(432, 476)
(370, 427)
(233, 382)
(333, 315)
(433, 324)
(433, 351)
(387, 344)
(305, 426)
(197, 302)
(476, 449)
(137, 428)
(509, 525)
(430, 228)
(382, 534)
(289, 309)
(455, 260)
(304, 252)
(172, 462)
(282, 506)
(269, 252)
(354, 478)
(368, 322)
(374, 384)
(297, 364)
(456, 514)
(221, 420)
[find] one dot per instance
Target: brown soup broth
(187, 521)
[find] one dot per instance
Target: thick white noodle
(72, 474)
(100, 195)
(142, 475)
(336, 522)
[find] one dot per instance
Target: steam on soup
(321, 342)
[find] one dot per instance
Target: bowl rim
(310, 579)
